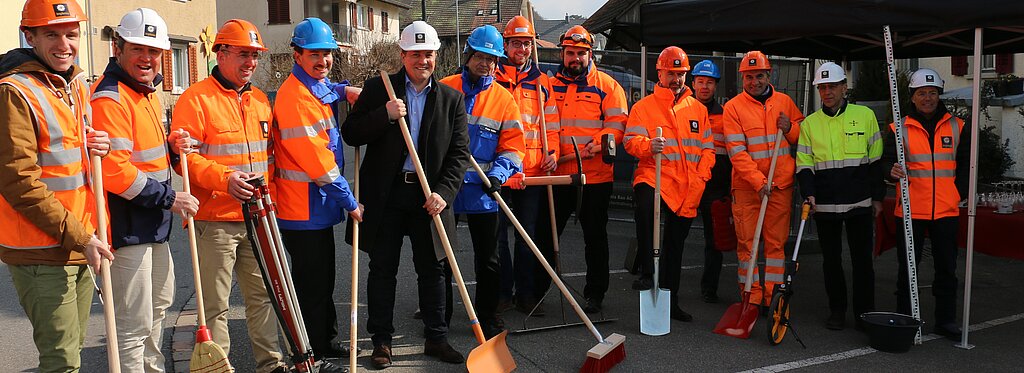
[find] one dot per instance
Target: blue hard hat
(312, 33)
(486, 39)
(706, 68)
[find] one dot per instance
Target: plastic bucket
(890, 331)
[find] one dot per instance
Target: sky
(552, 9)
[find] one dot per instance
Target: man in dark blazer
(394, 203)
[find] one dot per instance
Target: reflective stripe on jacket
(689, 152)
(589, 106)
(495, 141)
(931, 169)
(136, 172)
(309, 160)
(523, 86)
(232, 130)
(750, 129)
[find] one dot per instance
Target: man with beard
(229, 119)
(311, 188)
(687, 156)
(591, 105)
(705, 83)
(496, 143)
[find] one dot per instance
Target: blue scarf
(325, 91)
(471, 90)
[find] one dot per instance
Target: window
(362, 16)
(480, 12)
(384, 22)
(988, 62)
(179, 68)
(278, 10)
(494, 11)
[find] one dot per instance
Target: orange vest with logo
(931, 169)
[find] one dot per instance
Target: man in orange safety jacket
(752, 120)
(591, 105)
(687, 156)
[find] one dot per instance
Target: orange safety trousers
(774, 233)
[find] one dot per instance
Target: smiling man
(229, 119)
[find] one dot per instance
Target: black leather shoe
(280, 369)
(327, 367)
(492, 327)
(643, 283)
(443, 351)
(336, 351)
(381, 357)
(593, 306)
(678, 314)
(949, 330)
(836, 321)
(709, 297)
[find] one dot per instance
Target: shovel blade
(655, 311)
(739, 319)
(491, 356)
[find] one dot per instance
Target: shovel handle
(110, 327)
(657, 199)
(354, 298)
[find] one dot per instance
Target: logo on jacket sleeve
(61, 10)
(150, 31)
(947, 142)
(694, 126)
(265, 127)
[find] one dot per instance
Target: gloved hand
(495, 185)
(517, 181)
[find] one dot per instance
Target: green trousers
(56, 300)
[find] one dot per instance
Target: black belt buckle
(410, 177)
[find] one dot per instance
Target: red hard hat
(755, 60)
(673, 59)
(239, 33)
(519, 27)
(50, 12)
(577, 36)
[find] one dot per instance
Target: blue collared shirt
(414, 103)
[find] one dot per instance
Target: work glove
(495, 185)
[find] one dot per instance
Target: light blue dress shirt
(414, 102)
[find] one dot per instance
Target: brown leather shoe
(443, 351)
(381, 357)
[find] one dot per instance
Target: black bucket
(890, 331)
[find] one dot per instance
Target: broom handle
(113, 358)
(536, 252)
(656, 243)
(438, 224)
(193, 246)
(354, 308)
(760, 215)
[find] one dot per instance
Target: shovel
(739, 319)
(655, 303)
(491, 355)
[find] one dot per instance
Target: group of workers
(501, 110)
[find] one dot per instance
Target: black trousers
(594, 220)
(712, 257)
(859, 230)
(942, 233)
(312, 257)
(406, 217)
(675, 232)
(483, 229)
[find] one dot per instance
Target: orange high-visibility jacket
(59, 110)
(311, 191)
(931, 170)
(718, 132)
(232, 131)
(523, 86)
(689, 150)
(750, 129)
(590, 105)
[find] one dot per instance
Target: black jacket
(443, 148)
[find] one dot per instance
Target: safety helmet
(144, 27)
(313, 33)
(926, 78)
(673, 59)
(485, 39)
(519, 27)
(706, 68)
(239, 33)
(50, 12)
(577, 36)
(829, 72)
(754, 60)
(419, 36)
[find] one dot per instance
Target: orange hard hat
(50, 12)
(673, 59)
(519, 27)
(239, 33)
(754, 60)
(577, 36)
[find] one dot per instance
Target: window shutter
(369, 18)
(169, 70)
(1004, 63)
(353, 15)
(958, 65)
(193, 65)
(384, 22)
(278, 11)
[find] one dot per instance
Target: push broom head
(605, 355)
(207, 356)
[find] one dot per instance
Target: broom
(107, 295)
(207, 356)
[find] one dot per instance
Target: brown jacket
(19, 173)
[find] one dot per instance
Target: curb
(183, 335)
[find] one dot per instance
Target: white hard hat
(829, 72)
(926, 78)
(419, 36)
(144, 27)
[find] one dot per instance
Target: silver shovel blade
(655, 311)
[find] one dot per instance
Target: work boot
(281, 369)
(643, 283)
(326, 367)
(336, 351)
(492, 327)
(836, 321)
(678, 314)
(442, 351)
(381, 357)
(949, 330)
(593, 306)
(526, 307)
(709, 297)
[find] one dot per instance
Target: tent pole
(972, 199)
(643, 70)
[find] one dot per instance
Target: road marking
(868, 350)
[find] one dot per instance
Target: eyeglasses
(516, 44)
(245, 55)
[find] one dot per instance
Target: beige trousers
(142, 279)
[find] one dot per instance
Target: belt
(408, 177)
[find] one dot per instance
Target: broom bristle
(605, 355)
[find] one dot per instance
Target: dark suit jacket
(443, 148)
